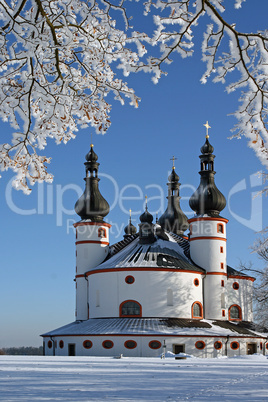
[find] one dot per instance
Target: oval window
(129, 279)
(49, 344)
(61, 344)
(87, 344)
(236, 285)
(107, 344)
(130, 344)
(218, 345)
(196, 282)
(200, 345)
(234, 345)
(155, 344)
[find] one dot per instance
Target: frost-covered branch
(56, 71)
(58, 62)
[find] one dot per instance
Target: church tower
(173, 219)
(92, 233)
(208, 235)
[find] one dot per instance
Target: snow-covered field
(38, 378)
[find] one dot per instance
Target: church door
(251, 348)
(71, 349)
(178, 349)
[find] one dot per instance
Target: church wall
(160, 293)
(215, 297)
(233, 346)
(241, 296)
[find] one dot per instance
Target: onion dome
(173, 219)
(207, 199)
(146, 227)
(91, 205)
(130, 229)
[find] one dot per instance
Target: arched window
(235, 313)
(130, 308)
(197, 310)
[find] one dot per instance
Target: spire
(207, 199)
(130, 229)
(91, 204)
(173, 219)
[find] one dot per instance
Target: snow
(43, 378)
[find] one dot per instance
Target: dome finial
(130, 229)
(173, 159)
(146, 202)
(207, 127)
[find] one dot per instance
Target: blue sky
(38, 242)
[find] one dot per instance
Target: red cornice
(208, 218)
(92, 224)
(131, 269)
(92, 241)
(208, 238)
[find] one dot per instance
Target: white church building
(159, 289)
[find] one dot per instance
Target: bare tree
(261, 283)
(58, 61)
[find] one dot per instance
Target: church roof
(158, 326)
(168, 251)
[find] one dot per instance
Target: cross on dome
(173, 159)
(207, 127)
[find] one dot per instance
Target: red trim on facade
(92, 224)
(196, 281)
(212, 273)
(234, 345)
(130, 347)
(98, 271)
(129, 279)
(158, 344)
(249, 278)
(201, 310)
(163, 336)
(218, 345)
(107, 347)
(240, 313)
(92, 241)
(87, 344)
(220, 228)
(201, 345)
(207, 238)
(130, 315)
(208, 218)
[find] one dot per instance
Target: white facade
(158, 290)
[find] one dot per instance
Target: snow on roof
(161, 253)
(156, 326)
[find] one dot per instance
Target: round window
(155, 344)
(234, 345)
(218, 345)
(130, 344)
(200, 345)
(129, 279)
(61, 344)
(87, 344)
(49, 344)
(236, 285)
(107, 344)
(196, 282)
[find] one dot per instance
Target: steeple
(91, 205)
(173, 219)
(207, 199)
(130, 229)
